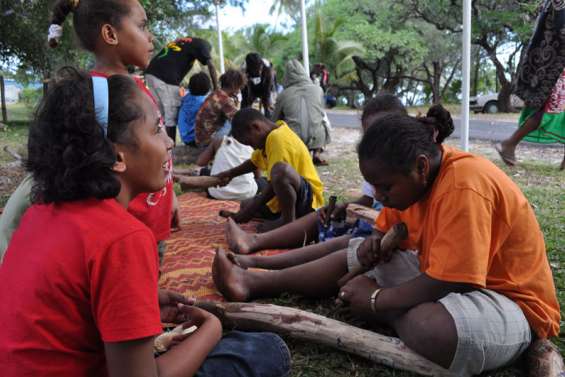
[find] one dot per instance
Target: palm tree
(336, 54)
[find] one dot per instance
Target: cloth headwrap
(101, 102)
(55, 32)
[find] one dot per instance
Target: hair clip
(101, 102)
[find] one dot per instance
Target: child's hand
(222, 180)
(369, 252)
(169, 304)
(224, 176)
(337, 214)
(196, 316)
(356, 293)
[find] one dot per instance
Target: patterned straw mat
(187, 265)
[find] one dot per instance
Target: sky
(256, 11)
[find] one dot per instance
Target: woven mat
(187, 265)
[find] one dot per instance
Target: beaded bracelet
(373, 299)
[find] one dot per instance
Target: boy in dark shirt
(168, 68)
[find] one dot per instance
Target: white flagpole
(220, 42)
(305, 59)
(466, 75)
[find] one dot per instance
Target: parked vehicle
(488, 103)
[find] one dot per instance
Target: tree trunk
(504, 103)
(504, 98)
(307, 326)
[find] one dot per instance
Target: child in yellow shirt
(294, 188)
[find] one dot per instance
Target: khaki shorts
(492, 330)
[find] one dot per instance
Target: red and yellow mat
(187, 265)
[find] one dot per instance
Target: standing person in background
(261, 82)
(541, 84)
(169, 67)
(300, 105)
(320, 76)
(198, 88)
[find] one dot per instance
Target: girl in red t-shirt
(79, 279)
(116, 33)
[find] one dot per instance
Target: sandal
(507, 158)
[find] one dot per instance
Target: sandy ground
(345, 140)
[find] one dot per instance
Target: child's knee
(428, 325)
(281, 172)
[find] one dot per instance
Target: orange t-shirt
(476, 227)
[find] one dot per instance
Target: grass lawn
(543, 184)
(15, 135)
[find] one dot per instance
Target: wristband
(373, 299)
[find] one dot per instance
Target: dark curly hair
(382, 103)
(243, 119)
(232, 79)
(88, 18)
(253, 63)
(199, 84)
(68, 155)
(397, 140)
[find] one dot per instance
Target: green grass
(15, 135)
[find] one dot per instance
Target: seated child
(198, 87)
(217, 111)
(226, 153)
(310, 228)
(79, 278)
(472, 285)
(294, 188)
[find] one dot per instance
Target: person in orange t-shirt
(469, 289)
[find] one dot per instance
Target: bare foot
(229, 278)
(243, 261)
(507, 154)
(238, 241)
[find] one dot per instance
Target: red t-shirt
(75, 275)
(154, 209)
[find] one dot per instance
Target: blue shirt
(187, 116)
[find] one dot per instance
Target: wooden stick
(307, 326)
(331, 207)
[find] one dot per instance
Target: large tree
(500, 27)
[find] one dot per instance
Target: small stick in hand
(331, 207)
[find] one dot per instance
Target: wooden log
(544, 359)
(15, 155)
(308, 326)
(357, 211)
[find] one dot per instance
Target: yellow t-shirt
(283, 145)
(476, 227)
